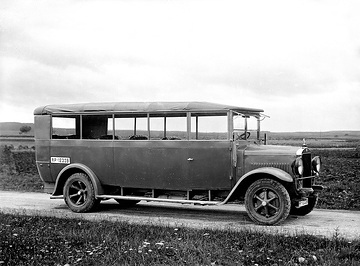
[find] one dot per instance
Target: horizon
(264, 131)
(303, 72)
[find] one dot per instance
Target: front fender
(276, 173)
(71, 169)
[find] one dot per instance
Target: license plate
(303, 202)
(62, 160)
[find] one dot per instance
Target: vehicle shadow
(177, 212)
(181, 211)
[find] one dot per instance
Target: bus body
(180, 152)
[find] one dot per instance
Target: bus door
(209, 164)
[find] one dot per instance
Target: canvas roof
(142, 107)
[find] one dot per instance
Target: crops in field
(18, 169)
(341, 176)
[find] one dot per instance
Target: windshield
(246, 127)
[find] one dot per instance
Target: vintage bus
(175, 152)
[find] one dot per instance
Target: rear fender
(250, 177)
(67, 171)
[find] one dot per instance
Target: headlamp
(316, 164)
(298, 166)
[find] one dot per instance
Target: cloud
(274, 55)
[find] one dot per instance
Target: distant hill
(13, 129)
(340, 134)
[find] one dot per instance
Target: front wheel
(79, 193)
(267, 202)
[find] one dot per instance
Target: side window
(97, 127)
(141, 132)
(66, 127)
(161, 128)
(131, 128)
(209, 127)
(156, 128)
(176, 128)
(124, 127)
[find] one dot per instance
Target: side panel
(150, 164)
(97, 155)
(42, 127)
(178, 165)
(42, 143)
(42, 154)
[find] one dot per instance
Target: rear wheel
(267, 202)
(79, 193)
(302, 211)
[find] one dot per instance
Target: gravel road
(320, 222)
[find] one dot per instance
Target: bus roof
(143, 107)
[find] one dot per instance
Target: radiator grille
(306, 157)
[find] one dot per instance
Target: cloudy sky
(297, 60)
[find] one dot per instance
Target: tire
(267, 202)
(79, 193)
(127, 203)
(302, 211)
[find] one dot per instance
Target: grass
(21, 182)
(35, 240)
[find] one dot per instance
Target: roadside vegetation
(35, 240)
(18, 169)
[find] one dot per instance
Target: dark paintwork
(183, 165)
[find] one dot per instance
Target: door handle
(190, 159)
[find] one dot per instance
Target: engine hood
(254, 149)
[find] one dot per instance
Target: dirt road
(319, 222)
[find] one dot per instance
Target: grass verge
(36, 240)
(21, 182)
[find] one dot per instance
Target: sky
(297, 60)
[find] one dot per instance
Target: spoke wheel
(267, 202)
(79, 193)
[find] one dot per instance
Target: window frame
(134, 115)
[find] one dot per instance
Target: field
(40, 240)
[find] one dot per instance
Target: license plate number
(62, 160)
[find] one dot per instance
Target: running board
(57, 197)
(199, 202)
(159, 199)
